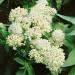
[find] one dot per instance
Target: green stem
(24, 72)
(29, 68)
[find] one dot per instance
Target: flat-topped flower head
(58, 35)
(54, 59)
(17, 14)
(15, 28)
(34, 32)
(36, 55)
(41, 44)
(14, 40)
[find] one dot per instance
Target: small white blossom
(46, 27)
(42, 2)
(55, 43)
(58, 35)
(17, 14)
(36, 55)
(15, 28)
(52, 11)
(42, 22)
(14, 40)
(26, 22)
(41, 44)
(34, 32)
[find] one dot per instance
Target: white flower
(58, 35)
(40, 9)
(56, 43)
(54, 59)
(41, 44)
(44, 2)
(52, 11)
(34, 32)
(15, 28)
(17, 14)
(36, 55)
(26, 22)
(44, 12)
(42, 22)
(42, 16)
(46, 27)
(14, 40)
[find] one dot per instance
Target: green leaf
(72, 72)
(72, 33)
(1, 1)
(3, 31)
(69, 44)
(26, 64)
(29, 68)
(70, 60)
(67, 18)
(69, 30)
(20, 60)
(20, 72)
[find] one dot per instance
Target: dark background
(5, 60)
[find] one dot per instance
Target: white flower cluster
(33, 25)
(17, 14)
(20, 23)
(15, 28)
(58, 35)
(57, 38)
(34, 33)
(36, 55)
(41, 44)
(52, 56)
(15, 40)
(41, 15)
